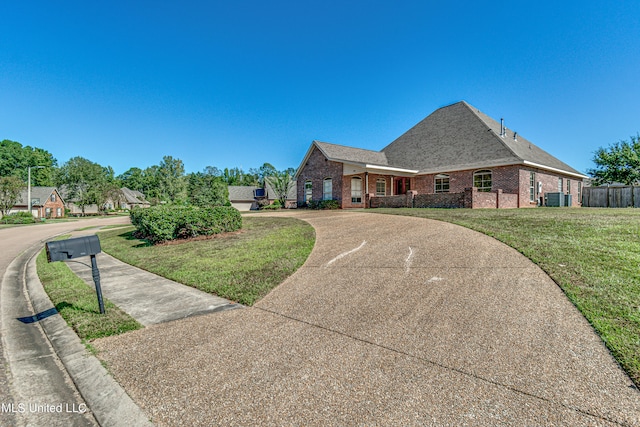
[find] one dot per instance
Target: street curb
(107, 400)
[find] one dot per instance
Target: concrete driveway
(391, 321)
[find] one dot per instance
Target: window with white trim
(482, 180)
(308, 191)
(441, 183)
(559, 185)
(579, 192)
(532, 187)
(327, 189)
(356, 190)
(381, 187)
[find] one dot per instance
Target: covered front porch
(360, 183)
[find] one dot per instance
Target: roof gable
(452, 137)
(459, 136)
(133, 196)
(341, 153)
(37, 193)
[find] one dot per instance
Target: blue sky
(240, 83)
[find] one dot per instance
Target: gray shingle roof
(245, 193)
(458, 137)
(349, 154)
(240, 193)
(133, 196)
(40, 193)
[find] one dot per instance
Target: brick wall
(510, 185)
(440, 200)
(346, 191)
(512, 180)
(316, 169)
(52, 207)
(550, 183)
(469, 198)
(402, 201)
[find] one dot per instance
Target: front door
(402, 185)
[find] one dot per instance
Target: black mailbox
(62, 250)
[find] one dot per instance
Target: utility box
(567, 200)
(554, 200)
(62, 250)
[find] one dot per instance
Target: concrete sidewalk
(391, 321)
(148, 298)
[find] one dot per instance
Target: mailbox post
(63, 250)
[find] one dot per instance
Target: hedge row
(162, 223)
(18, 218)
(323, 204)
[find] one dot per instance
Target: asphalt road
(22, 377)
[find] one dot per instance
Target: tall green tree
(265, 171)
(10, 188)
(133, 179)
(15, 159)
(171, 181)
(84, 182)
(620, 162)
(206, 189)
(150, 186)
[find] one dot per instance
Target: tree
(10, 188)
(281, 183)
(264, 171)
(171, 183)
(15, 159)
(112, 191)
(84, 181)
(620, 162)
(206, 189)
(133, 179)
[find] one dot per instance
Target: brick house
(455, 157)
(45, 203)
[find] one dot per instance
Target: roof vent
(515, 136)
(502, 129)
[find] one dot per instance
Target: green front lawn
(593, 254)
(77, 303)
(242, 266)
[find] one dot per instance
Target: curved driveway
(391, 321)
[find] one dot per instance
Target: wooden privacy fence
(611, 197)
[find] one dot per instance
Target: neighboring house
(132, 199)
(45, 203)
(246, 197)
(243, 197)
(290, 202)
(455, 157)
(73, 208)
(127, 200)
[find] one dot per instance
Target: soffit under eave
(357, 168)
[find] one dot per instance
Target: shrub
(323, 204)
(275, 205)
(18, 218)
(162, 223)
